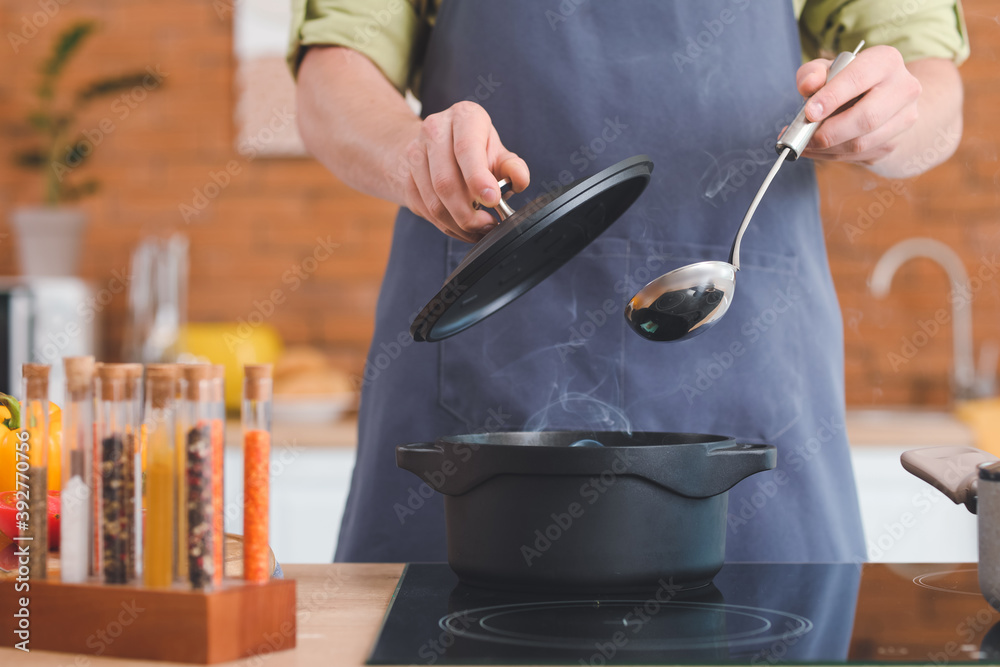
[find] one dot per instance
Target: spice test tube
(198, 414)
(95, 489)
(256, 417)
(218, 399)
(112, 431)
(35, 420)
(180, 463)
(75, 530)
(160, 536)
(133, 472)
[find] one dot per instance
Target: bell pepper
(10, 423)
(8, 517)
(8, 559)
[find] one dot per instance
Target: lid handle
(503, 209)
(951, 470)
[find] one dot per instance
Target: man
(569, 88)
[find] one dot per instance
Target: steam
(580, 412)
(736, 166)
(576, 375)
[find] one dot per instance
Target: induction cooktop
(753, 613)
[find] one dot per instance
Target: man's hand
(871, 129)
(452, 159)
(363, 131)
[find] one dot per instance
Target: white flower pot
(49, 239)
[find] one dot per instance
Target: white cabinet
(905, 519)
(308, 491)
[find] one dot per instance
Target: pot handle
(954, 471)
(419, 457)
(738, 461)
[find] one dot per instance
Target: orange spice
(256, 462)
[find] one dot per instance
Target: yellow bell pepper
(10, 424)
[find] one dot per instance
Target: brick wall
(269, 216)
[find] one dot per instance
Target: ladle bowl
(683, 303)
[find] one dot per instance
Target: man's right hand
(364, 132)
(449, 160)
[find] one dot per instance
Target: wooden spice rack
(235, 621)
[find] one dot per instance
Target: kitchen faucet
(967, 383)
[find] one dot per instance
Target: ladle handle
(790, 145)
(798, 133)
(503, 209)
(734, 253)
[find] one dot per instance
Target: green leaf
(110, 86)
(65, 46)
(88, 187)
(33, 158)
(40, 120)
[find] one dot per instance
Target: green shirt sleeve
(917, 28)
(391, 32)
(385, 31)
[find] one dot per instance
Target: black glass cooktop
(758, 614)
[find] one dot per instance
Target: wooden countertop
(340, 609)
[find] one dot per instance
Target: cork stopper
(218, 383)
(161, 370)
(257, 382)
(161, 383)
(111, 381)
(79, 374)
(133, 380)
(197, 380)
(36, 381)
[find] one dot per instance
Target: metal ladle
(689, 300)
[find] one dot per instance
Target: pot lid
(528, 246)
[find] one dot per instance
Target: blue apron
(703, 88)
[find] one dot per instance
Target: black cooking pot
(596, 511)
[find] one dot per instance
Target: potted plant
(49, 235)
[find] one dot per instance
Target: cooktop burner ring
(457, 625)
(922, 580)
